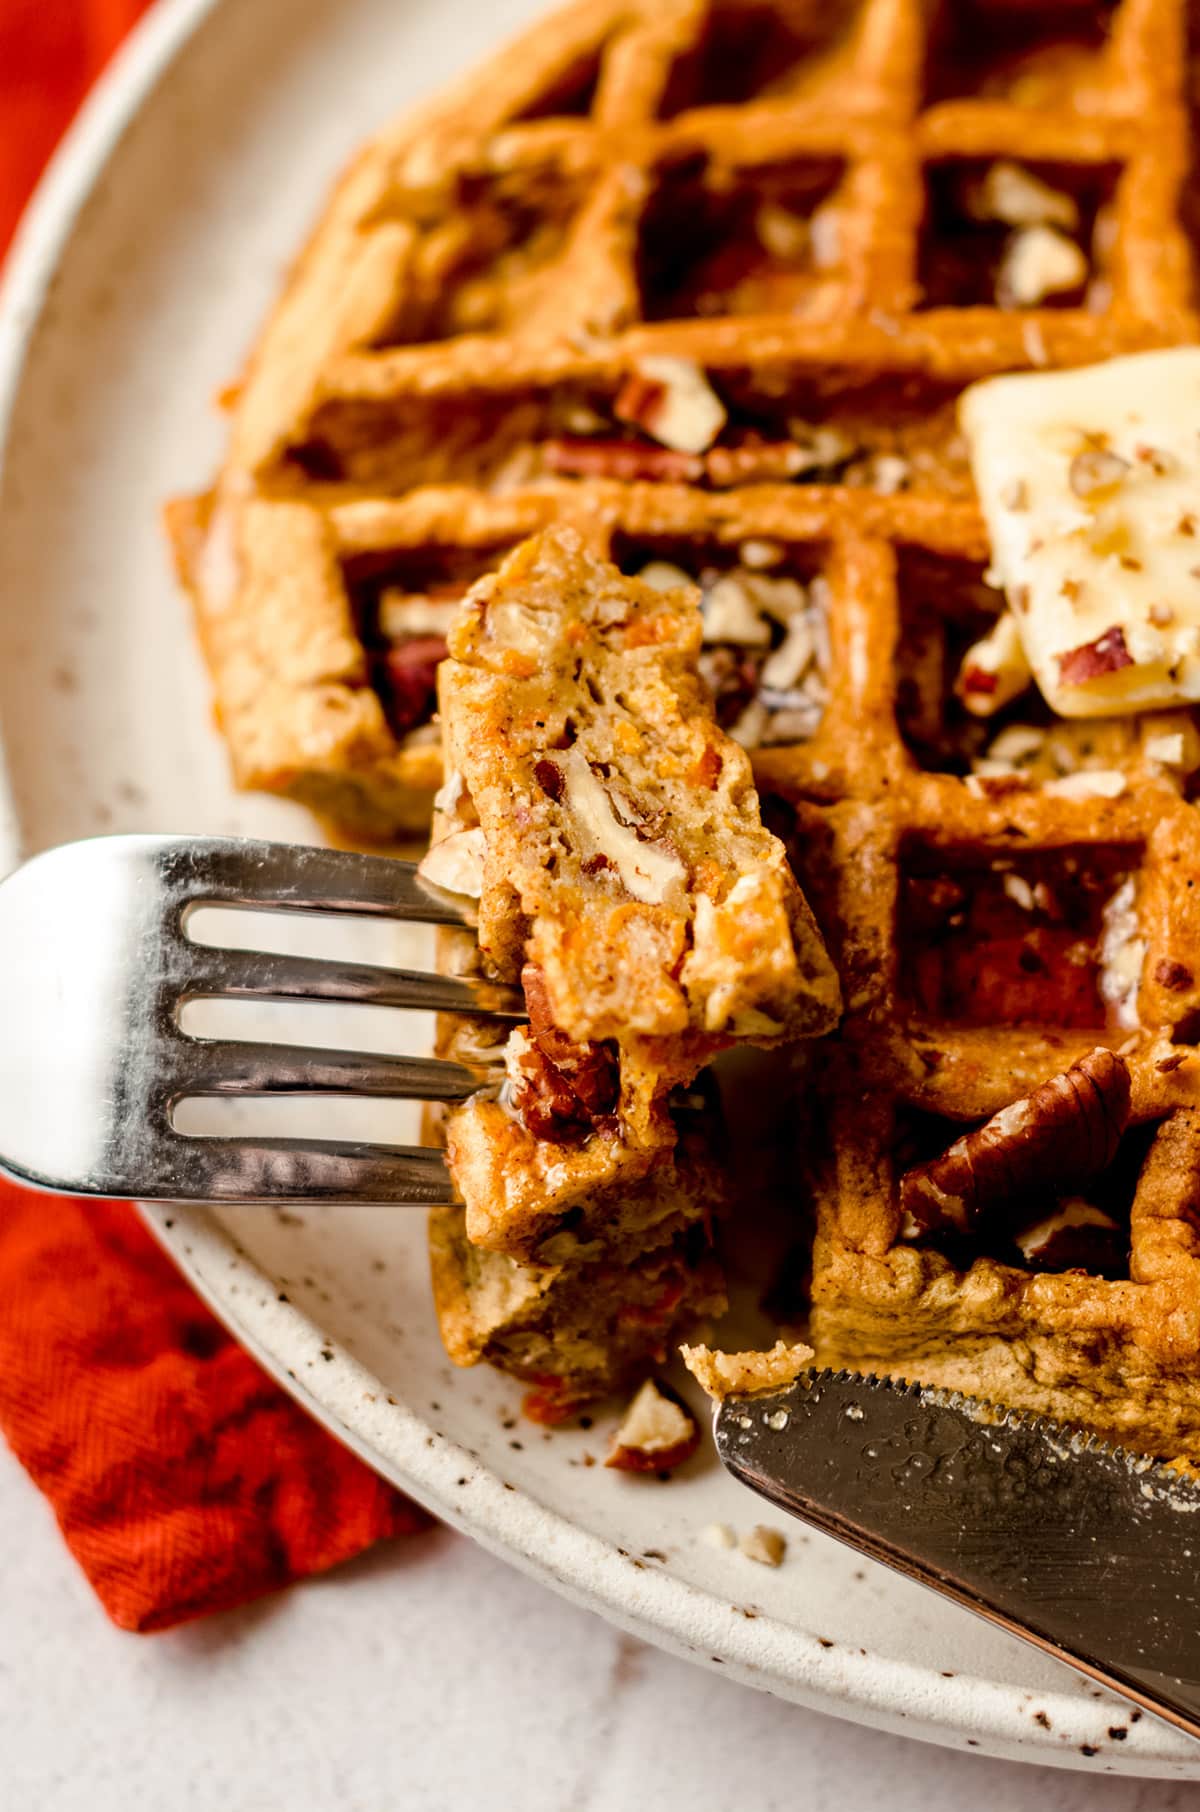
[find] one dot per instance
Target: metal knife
(1090, 1552)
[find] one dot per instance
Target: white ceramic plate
(153, 249)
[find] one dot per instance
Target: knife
(1088, 1551)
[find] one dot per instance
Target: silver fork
(97, 964)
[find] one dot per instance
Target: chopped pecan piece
(1063, 1133)
(672, 400)
(765, 1545)
(591, 1069)
(628, 461)
(564, 1088)
(456, 862)
(411, 668)
(1170, 974)
(544, 1101)
(1107, 654)
(657, 1432)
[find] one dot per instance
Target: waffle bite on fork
(610, 833)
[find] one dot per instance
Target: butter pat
(1089, 482)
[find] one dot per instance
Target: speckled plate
(152, 250)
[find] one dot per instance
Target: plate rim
(884, 1692)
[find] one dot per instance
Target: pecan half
(1063, 1133)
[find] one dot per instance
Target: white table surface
(427, 1675)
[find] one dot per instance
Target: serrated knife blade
(1088, 1551)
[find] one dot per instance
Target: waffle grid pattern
(390, 443)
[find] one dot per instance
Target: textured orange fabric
(183, 1479)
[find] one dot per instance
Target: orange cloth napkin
(183, 1479)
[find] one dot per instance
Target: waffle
(799, 205)
(783, 196)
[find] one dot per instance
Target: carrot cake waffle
(709, 280)
(610, 833)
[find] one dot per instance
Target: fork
(93, 1058)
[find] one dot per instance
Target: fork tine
(206, 972)
(304, 1170)
(216, 1066)
(249, 873)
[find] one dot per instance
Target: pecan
(994, 669)
(1013, 195)
(604, 820)
(639, 399)
(755, 461)
(545, 1103)
(411, 667)
(1064, 1132)
(625, 460)
(1108, 654)
(672, 400)
(1039, 261)
(765, 1545)
(658, 1431)
(589, 1071)
(1170, 974)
